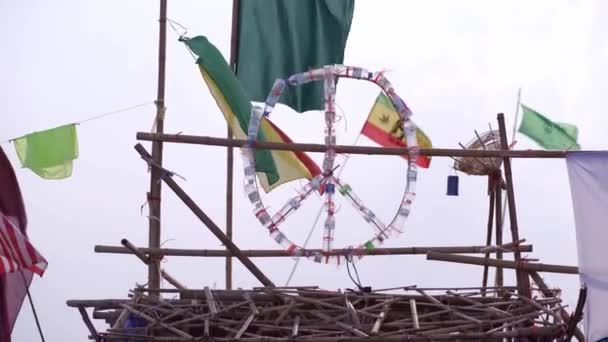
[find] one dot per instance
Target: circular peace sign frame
(326, 181)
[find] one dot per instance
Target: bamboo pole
(266, 253)
(505, 247)
(134, 250)
(189, 202)
(451, 309)
(89, 324)
(499, 281)
(523, 266)
(154, 196)
(172, 280)
(523, 279)
(229, 207)
(146, 260)
(577, 316)
(347, 149)
(108, 316)
(484, 281)
(234, 48)
(474, 302)
(97, 303)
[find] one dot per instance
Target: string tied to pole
(348, 256)
(163, 171)
(160, 114)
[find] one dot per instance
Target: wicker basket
(480, 166)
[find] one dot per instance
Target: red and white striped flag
(16, 252)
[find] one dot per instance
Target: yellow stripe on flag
(288, 165)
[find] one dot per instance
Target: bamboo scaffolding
(207, 221)
(347, 149)
(308, 314)
(273, 253)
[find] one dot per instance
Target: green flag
(49, 153)
(548, 134)
(278, 38)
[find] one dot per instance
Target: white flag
(588, 173)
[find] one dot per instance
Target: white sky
(456, 63)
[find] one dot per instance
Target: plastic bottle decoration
(333, 186)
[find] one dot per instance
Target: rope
(113, 112)
(181, 35)
(184, 28)
(312, 229)
(96, 117)
(356, 282)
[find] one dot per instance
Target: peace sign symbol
(327, 181)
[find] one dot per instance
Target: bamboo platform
(310, 314)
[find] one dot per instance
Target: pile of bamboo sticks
(310, 314)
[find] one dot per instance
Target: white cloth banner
(588, 173)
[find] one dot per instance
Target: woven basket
(480, 166)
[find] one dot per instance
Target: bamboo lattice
(309, 314)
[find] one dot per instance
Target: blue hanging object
(452, 185)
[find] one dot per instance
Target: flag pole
(234, 48)
(516, 115)
(29, 297)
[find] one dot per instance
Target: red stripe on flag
(17, 250)
(310, 165)
(6, 251)
(2, 269)
(34, 268)
(385, 139)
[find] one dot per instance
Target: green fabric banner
(234, 104)
(278, 38)
(548, 134)
(49, 153)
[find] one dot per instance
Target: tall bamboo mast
(234, 50)
(154, 196)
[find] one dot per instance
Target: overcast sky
(456, 64)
